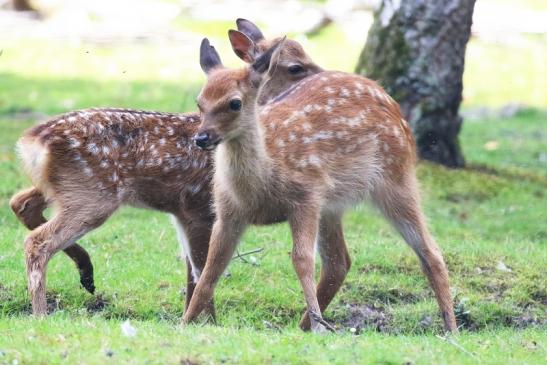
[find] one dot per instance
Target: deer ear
(242, 45)
(249, 29)
(268, 60)
(208, 56)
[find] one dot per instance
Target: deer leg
(42, 243)
(194, 241)
(224, 239)
(28, 205)
(335, 262)
(401, 206)
(304, 227)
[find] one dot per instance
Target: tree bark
(416, 49)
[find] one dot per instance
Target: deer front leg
(304, 227)
(224, 239)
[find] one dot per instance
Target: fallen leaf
(491, 145)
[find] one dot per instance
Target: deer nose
(201, 139)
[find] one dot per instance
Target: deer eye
(235, 105)
(295, 69)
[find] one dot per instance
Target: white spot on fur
(92, 148)
(341, 134)
(88, 172)
(314, 160)
(106, 150)
(293, 117)
(322, 135)
(73, 142)
(104, 164)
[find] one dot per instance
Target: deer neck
(243, 162)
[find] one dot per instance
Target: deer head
(227, 101)
(293, 65)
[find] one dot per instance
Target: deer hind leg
(224, 239)
(29, 205)
(335, 262)
(401, 206)
(194, 242)
(54, 235)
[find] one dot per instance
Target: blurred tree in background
(22, 5)
(416, 49)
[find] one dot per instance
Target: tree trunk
(416, 49)
(22, 5)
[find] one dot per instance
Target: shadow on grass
(511, 174)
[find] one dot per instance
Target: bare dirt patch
(97, 304)
(365, 316)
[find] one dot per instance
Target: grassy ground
(489, 220)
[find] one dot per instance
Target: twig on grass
(317, 317)
(449, 339)
(241, 255)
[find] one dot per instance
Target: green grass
(490, 213)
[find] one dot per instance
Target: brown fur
(335, 139)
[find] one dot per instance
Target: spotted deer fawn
(88, 163)
(331, 141)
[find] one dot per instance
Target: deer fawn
(88, 163)
(331, 141)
